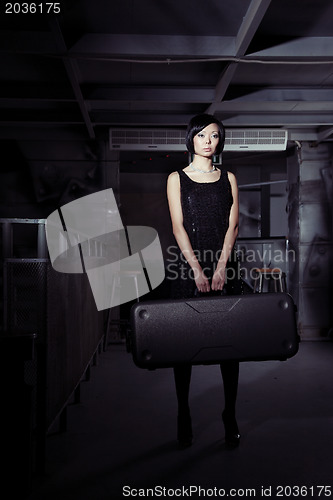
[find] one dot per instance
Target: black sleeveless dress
(206, 209)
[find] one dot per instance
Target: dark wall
(37, 176)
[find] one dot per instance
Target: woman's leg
(230, 375)
(182, 376)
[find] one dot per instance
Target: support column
(310, 236)
(112, 180)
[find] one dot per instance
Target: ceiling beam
(150, 93)
(251, 21)
(107, 95)
(72, 73)
(324, 133)
(107, 46)
(241, 107)
(96, 45)
(305, 48)
(31, 131)
(278, 119)
(254, 15)
(248, 93)
(142, 118)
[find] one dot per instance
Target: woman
(203, 204)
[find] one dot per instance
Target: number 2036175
(32, 8)
(303, 491)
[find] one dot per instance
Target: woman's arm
(183, 241)
(230, 237)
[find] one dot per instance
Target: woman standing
(203, 204)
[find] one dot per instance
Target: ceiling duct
(174, 139)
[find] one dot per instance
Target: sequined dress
(206, 209)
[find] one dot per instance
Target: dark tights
(230, 373)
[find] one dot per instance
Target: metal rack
(58, 310)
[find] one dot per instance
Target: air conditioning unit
(255, 140)
(147, 139)
(174, 139)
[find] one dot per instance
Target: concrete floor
(123, 433)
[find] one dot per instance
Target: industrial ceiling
(86, 66)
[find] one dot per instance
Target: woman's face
(206, 141)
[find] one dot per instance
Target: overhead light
(129, 139)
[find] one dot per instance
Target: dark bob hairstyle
(198, 123)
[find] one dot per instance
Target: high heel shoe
(232, 435)
(184, 430)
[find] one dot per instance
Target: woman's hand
(218, 279)
(201, 281)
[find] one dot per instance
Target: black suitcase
(251, 327)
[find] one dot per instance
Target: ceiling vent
(174, 139)
(147, 139)
(255, 140)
